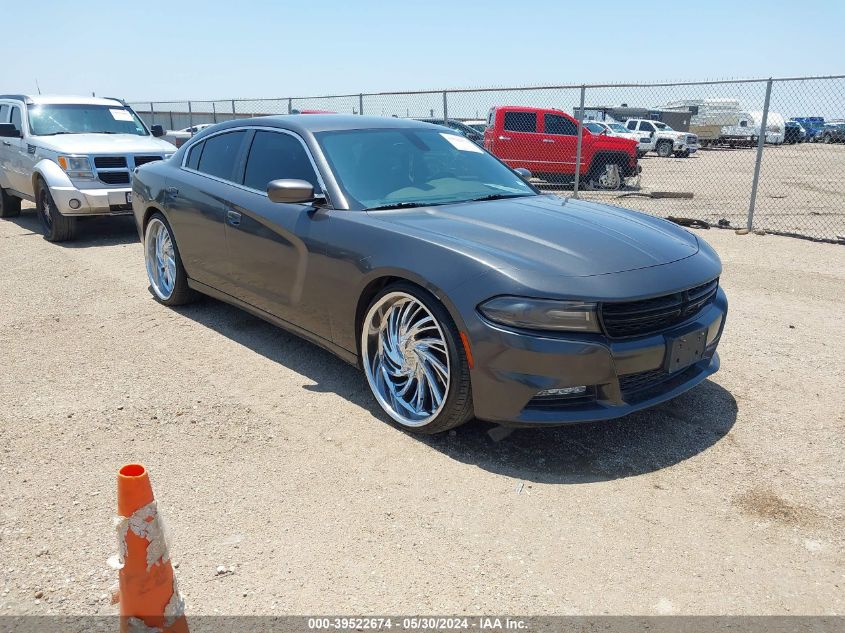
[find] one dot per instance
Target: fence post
(171, 119)
(445, 109)
(233, 110)
(578, 147)
(761, 142)
(190, 117)
(360, 104)
(290, 105)
(214, 111)
(152, 113)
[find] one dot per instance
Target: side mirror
(522, 173)
(8, 130)
(157, 131)
(290, 191)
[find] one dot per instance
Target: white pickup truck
(72, 157)
(664, 140)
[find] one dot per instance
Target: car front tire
(165, 272)
(664, 149)
(57, 227)
(414, 360)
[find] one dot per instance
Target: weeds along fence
(769, 153)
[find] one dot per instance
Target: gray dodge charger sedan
(459, 288)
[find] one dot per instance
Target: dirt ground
(268, 456)
(802, 189)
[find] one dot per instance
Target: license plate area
(128, 197)
(682, 351)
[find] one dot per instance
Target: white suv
(664, 140)
(72, 156)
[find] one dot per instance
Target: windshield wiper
(500, 196)
(400, 205)
(55, 133)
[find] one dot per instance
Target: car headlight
(542, 314)
(78, 167)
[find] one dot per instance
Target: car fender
(53, 175)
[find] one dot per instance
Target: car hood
(103, 144)
(548, 234)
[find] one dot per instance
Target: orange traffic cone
(149, 598)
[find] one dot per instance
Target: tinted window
(277, 155)
(557, 124)
(632, 125)
(16, 117)
(194, 156)
(220, 155)
(4, 113)
(646, 127)
(521, 121)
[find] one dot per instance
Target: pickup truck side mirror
(523, 173)
(157, 131)
(8, 130)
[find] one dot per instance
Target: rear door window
(16, 118)
(220, 155)
(645, 126)
(557, 124)
(521, 121)
(276, 155)
(4, 113)
(194, 154)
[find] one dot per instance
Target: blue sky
(223, 49)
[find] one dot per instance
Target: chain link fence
(762, 154)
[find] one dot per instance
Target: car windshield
(662, 126)
(617, 127)
(62, 118)
(415, 167)
(595, 128)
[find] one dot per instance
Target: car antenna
(37, 86)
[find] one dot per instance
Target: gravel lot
(268, 455)
(802, 188)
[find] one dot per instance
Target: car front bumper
(92, 201)
(622, 376)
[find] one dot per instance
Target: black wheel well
(367, 294)
(147, 215)
(600, 159)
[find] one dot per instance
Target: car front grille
(114, 177)
(692, 139)
(557, 402)
(109, 162)
(143, 160)
(648, 316)
(648, 384)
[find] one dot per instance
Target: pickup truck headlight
(77, 167)
(542, 314)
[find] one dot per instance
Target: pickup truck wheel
(664, 149)
(57, 227)
(10, 206)
(165, 272)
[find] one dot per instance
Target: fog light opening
(74, 203)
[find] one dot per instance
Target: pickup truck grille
(109, 162)
(114, 177)
(639, 318)
(143, 160)
(692, 139)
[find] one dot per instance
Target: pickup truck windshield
(395, 167)
(662, 126)
(48, 119)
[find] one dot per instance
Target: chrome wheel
(161, 259)
(406, 359)
(44, 207)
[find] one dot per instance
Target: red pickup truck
(544, 141)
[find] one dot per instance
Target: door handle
(172, 191)
(233, 217)
(504, 138)
(548, 140)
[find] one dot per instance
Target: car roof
(312, 123)
(65, 99)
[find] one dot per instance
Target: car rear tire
(10, 206)
(57, 227)
(165, 272)
(414, 361)
(664, 149)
